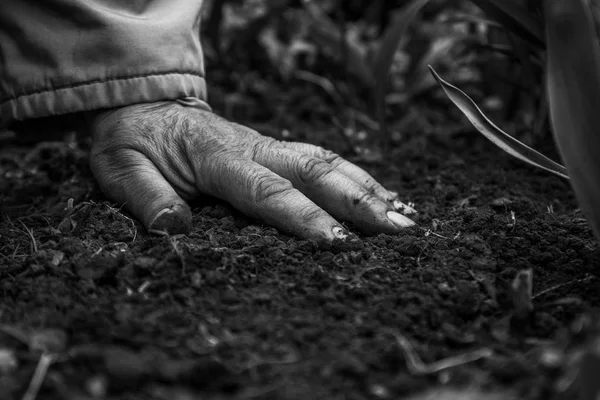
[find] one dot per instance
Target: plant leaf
(500, 138)
(515, 18)
(573, 82)
(385, 55)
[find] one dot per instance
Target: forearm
(65, 56)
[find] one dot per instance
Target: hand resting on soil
(152, 157)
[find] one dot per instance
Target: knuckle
(313, 169)
(328, 155)
(310, 214)
(373, 186)
(364, 197)
(269, 188)
(259, 145)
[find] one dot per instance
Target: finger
(262, 194)
(352, 171)
(333, 191)
(129, 178)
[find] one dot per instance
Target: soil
(238, 310)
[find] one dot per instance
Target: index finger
(260, 193)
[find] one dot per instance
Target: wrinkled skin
(152, 157)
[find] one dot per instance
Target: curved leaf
(573, 82)
(500, 138)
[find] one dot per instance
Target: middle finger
(336, 193)
(352, 171)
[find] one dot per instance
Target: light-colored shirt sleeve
(65, 56)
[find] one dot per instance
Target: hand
(150, 157)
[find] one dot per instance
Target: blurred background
(280, 65)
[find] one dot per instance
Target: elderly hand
(150, 157)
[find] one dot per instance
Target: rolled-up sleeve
(64, 56)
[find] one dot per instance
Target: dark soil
(237, 310)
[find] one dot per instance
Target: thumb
(129, 178)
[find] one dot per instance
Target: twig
(417, 367)
(587, 278)
(29, 232)
(15, 333)
(175, 244)
(38, 376)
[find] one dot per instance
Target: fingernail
(403, 208)
(159, 214)
(339, 233)
(399, 219)
(174, 220)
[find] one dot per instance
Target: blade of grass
(385, 57)
(573, 82)
(500, 138)
(515, 18)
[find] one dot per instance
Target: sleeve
(65, 56)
